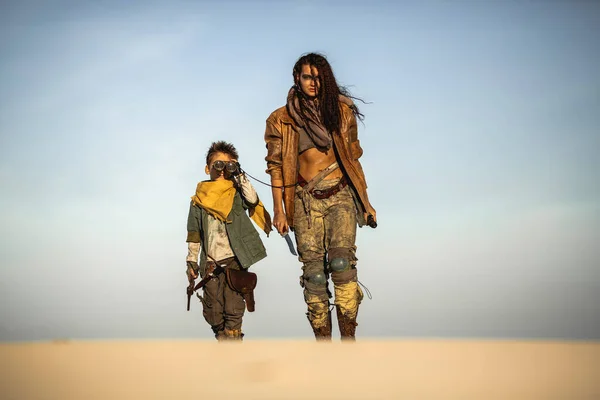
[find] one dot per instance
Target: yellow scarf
(216, 197)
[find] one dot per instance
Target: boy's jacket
(223, 201)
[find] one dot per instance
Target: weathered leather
(281, 137)
(323, 333)
(347, 325)
(324, 194)
(244, 282)
(232, 335)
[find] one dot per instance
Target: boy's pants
(223, 308)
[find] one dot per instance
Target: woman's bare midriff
(313, 161)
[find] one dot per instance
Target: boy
(217, 223)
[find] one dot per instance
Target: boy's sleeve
(193, 234)
(248, 192)
(193, 252)
(193, 225)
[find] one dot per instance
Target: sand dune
(254, 369)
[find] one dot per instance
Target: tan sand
(367, 369)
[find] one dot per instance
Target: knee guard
(316, 296)
(314, 278)
(315, 284)
(340, 259)
(341, 265)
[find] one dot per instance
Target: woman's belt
(324, 193)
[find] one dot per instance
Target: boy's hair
(221, 147)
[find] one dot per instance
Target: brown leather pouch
(244, 282)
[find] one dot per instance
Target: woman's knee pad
(340, 259)
(314, 278)
(339, 264)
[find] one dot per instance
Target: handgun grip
(189, 291)
(371, 222)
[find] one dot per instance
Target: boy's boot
(220, 336)
(233, 334)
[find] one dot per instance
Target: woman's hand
(371, 218)
(280, 223)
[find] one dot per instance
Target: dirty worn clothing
(282, 139)
(242, 236)
(217, 242)
(235, 242)
(304, 141)
(333, 224)
(223, 308)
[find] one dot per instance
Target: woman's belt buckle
(324, 194)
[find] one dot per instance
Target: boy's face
(214, 174)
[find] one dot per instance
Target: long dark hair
(328, 94)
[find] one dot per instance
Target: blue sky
(480, 142)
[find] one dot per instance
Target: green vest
(243, 236)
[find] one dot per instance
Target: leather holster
(243, 282)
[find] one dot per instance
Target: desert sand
(293, 369)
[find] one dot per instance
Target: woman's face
(309, 80)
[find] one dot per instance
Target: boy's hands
(192, 275)
(192, 272)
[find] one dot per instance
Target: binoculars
(232, 168)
